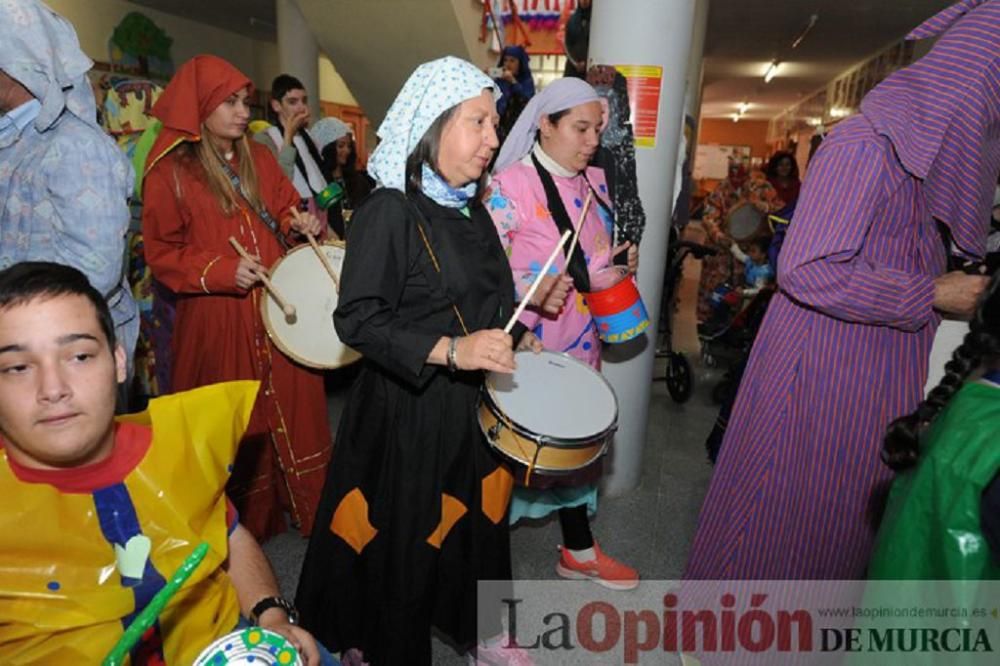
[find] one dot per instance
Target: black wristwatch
(267, 603)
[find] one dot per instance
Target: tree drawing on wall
(139, 37)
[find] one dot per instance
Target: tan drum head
(745, 222)
(309, 338)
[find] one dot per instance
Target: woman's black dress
(414, 510)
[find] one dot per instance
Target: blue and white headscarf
(39, 49)
(433, 88)
(327, 130)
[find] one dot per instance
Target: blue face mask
(435, 187)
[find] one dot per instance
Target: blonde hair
(209, 159)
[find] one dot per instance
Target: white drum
(309, 337)
(252, 646)
(553, 415)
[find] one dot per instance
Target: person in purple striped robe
(844, 349)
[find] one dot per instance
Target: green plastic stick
(147, 617)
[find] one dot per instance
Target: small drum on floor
(745, 222)
(553, 416)
(251, 646)
(309, 337)
(616, 306)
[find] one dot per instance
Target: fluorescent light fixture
(772, 70)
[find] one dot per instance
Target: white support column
(298, 53)
(696, 60)
(644, 32)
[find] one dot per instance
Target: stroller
(730, 334)
(678, 376)
(741, 331)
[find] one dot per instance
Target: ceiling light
(805, 31)
(772, 70)
(744, 106)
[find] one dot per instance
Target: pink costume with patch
(516, 201)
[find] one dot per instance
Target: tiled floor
(651, 527)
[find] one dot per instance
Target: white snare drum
(746, 222)
(309, 337)
(252, 646)
(553, 415)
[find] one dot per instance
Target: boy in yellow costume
(99, 511)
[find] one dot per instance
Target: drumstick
(287, 308)
(323, 259)
(147, 617)
(538, 280)
(319, 253)
(576, 233)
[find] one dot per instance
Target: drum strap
(504, 419)
(262, 212)
(577, 263)
(437, 266)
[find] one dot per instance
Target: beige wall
(331, 86)
(469, 14)
(377, 43)
(94, 20)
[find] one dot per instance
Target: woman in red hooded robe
(191, 209)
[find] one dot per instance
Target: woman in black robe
(414, 511)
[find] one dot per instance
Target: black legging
(576, 528)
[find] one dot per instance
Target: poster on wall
(712, 160)
(644, 84)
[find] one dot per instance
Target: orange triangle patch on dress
(496, 491)
(451, 510)
(541, 212)
(350, 521)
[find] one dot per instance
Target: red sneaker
(603, 570)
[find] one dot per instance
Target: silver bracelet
(452, 353)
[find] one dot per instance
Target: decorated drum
(616, 305)
(252, 646)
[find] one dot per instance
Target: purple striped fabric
(942, 115)
(798, 487)
(843, 350)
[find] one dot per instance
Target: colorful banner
(644, 84)
(538, 14)
(537, 25)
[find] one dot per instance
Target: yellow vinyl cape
(62, 597)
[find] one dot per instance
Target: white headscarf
(559, 95)
(40, 50)
(327, 130)
(433, 88)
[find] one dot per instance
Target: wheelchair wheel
(680, 380)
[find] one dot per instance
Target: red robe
(219, 335)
